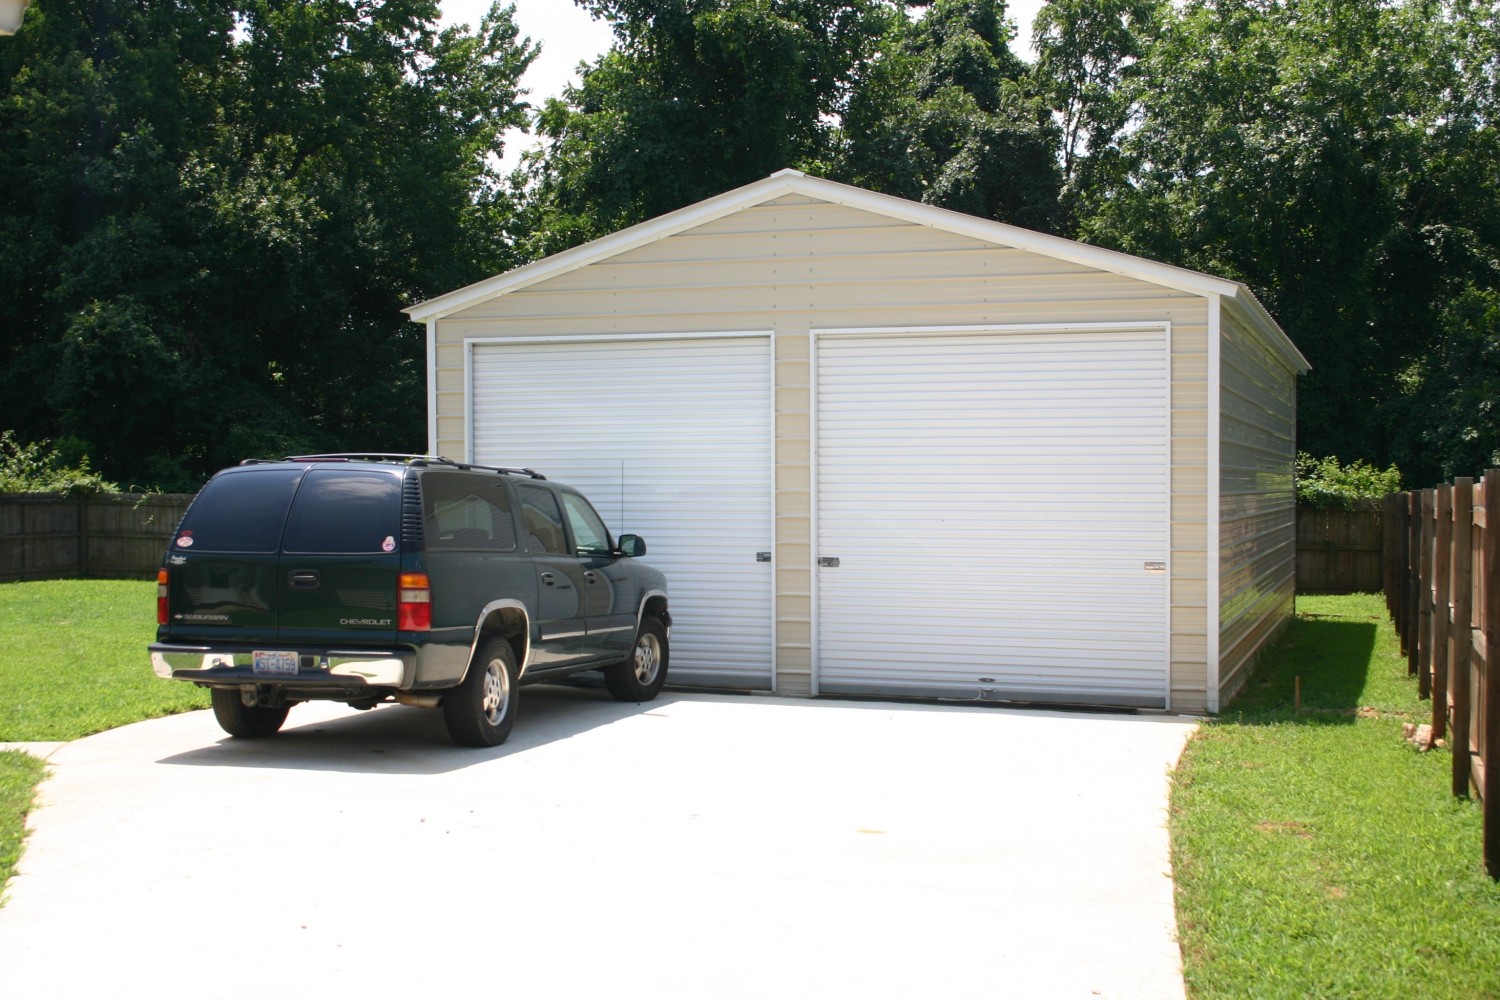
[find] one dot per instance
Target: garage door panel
(993, 501)
(671, 440)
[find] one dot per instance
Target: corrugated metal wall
(1257, 501)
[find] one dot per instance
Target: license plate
(277, 663)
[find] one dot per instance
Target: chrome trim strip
(484, 614)
(640, 612)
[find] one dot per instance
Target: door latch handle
(762, 557)
(304, 579)
(589, 577)
(831, 562)
(547, 580)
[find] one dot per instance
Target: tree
(695, 97)
(221, 208)
(1329, 155)
(947, 115)
(1087, 51)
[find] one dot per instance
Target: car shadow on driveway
(398, 739)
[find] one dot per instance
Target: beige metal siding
(797, 264)
(1257, 503)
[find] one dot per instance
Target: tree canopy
(215, 209)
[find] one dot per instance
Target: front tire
(641, 677)
(246, 722)
(482, 709)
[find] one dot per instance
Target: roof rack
(383, 456)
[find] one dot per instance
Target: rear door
(341, 559)
(222, 563)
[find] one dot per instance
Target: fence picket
(1443, 589)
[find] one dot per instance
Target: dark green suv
(366, 578)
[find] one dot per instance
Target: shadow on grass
(1330, 655)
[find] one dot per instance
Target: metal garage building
(884, 448)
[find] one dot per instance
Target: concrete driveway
(700, 846)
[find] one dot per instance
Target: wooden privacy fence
(107, 536)
(1339, 551)
(1442, 587)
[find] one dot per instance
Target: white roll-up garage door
(992, 514)
(670, 438)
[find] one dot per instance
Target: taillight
(414, 603)
(161, 597)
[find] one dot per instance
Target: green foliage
(39, 468)
(1324, 484)
(214, 211)
(693, 99)
(947, 115)
(1332, 156)
(1317, 854)
(76, 659)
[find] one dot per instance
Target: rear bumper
(316, 667)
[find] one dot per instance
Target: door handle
(830, 562)
(547, 580)
(590, 577)
(304, 579)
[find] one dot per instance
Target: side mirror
(631, 545)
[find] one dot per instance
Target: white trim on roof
(788, 182)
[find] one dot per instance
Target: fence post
(1461, 637)
(1413, 577)
(1424, 595)
(1442, 598)
(1490, 706)
(1387, 552)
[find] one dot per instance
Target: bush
(40, 468)
(1323, 484)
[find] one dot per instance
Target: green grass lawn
(74, 659)
(19, 774)
(72, 662)
(1317, 854)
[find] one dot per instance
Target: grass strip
(19, 775)
(75, 662)
(1318, 854)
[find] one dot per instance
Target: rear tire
(482, 709)
(246, 722)
(640, 678)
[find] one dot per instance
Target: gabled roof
(794, 182)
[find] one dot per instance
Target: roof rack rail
(353, 456)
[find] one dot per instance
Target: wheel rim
(647, 658)
(496, 700)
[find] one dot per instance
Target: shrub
(1323, 484)
(40, 468)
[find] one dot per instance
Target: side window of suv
(588, 529)
(467, 512)
(544, 524)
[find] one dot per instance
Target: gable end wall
(798, 264)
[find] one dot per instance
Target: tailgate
(340, 565)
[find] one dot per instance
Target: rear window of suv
(239, 512)
(345, 511)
